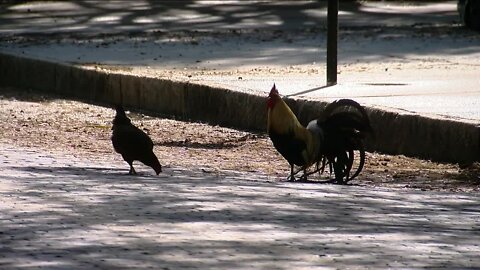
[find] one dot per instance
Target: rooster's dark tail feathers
(345, 124)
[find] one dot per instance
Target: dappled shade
(62, 212)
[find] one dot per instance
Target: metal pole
(332, 40)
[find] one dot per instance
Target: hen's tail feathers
(155, 164)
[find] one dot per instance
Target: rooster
(298, 145)
(132, 143)
(330, 139)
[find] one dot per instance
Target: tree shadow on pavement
(155, 15)
(78, 216)
(99, 20)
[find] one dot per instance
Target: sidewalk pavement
(61, 212)
(412, 59)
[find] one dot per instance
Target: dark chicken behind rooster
(331, 139)
(132, 143)
(344, 124)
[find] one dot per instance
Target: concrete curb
(395, 132)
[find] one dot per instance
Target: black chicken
(344, 125)
(132, 143)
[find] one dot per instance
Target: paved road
(62, 212)
(94, 17)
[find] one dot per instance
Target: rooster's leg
(322, 169)
(330, 168)
(291, 178)
(340, 172)
(303, 178)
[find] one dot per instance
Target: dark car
(469, 11)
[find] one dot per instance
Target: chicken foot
(132, 170)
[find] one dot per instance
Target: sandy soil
(53, 124)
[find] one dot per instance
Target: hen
(132, 143)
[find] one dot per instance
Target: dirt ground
(53, 124)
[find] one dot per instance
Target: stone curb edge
(395, 132)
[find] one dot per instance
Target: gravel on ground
(56, 125)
